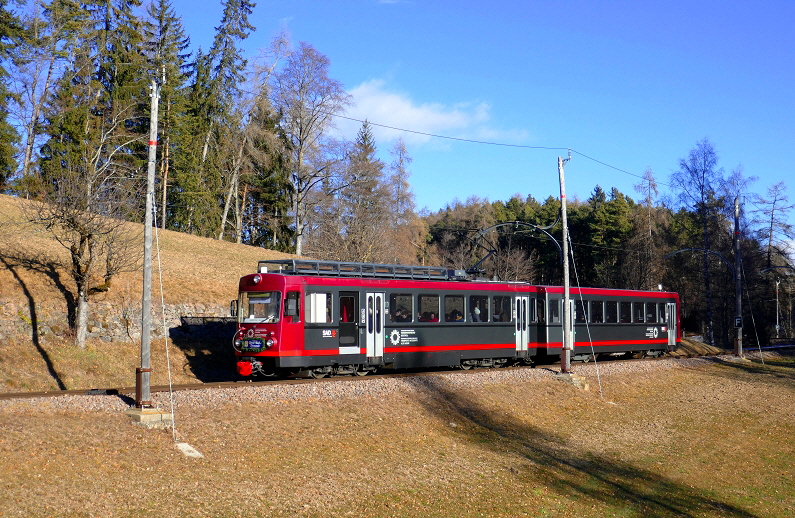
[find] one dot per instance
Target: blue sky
(631, 84)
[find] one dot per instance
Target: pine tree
(266, 188)
(10, 28)
(42, 52)
(227, 60)
(166, 49)
(194, 194)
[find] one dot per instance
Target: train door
(554, 327)
(374, 325)
(349, 327)
(522, 305)
(670, 318)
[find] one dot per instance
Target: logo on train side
(394, 337)
(329, 333)
(652, 332)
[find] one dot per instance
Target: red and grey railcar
(317, 318)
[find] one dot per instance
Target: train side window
(401, 307)
(532, 307)
(626, 312)
(501, 309)
(292, 305)
(597, 312)
(661, 311)
(580, 312)
(640, 312)
(554, 311)
(651, 312)
(541, 310)
(318, 308)
(454, 308)
(429, 308)
(611, 311)
(479, 308)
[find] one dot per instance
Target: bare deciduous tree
(307, 99)
(772, 216)
(88, 223)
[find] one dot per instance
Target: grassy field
(716, 439)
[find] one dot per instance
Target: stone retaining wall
(106, 322)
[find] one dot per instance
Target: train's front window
(260, 306)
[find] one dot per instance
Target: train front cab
(270, 323)
(285, 327)
(612, 322)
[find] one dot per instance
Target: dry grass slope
(33, 275)
(195, 269)
(712, 439)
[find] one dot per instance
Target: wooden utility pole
(142, 374)
(738, 289)
(568, 339)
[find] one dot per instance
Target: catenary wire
(489, 143)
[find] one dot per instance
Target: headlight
(270, 342)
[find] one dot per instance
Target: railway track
(129, 392)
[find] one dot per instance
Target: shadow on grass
(776, 370)
(34, 324)
(207, 344)
(562, 467)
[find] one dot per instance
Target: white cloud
(382, 107)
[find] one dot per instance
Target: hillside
(195, 269)
(200, 277)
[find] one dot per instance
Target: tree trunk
(707, 290)
(299, 235)
(240, 202)
(81, 328)
(34, 118)
(232, 187)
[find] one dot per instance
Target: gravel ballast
(337, 389)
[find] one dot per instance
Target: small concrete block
(189, 450)
(574, 379)
(150, 417)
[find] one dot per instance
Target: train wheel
(317, 373)
(361, 371)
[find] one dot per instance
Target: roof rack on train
(347, 269)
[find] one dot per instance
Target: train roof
(363, 270)
(354, 270)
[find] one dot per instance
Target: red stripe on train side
(607, 343)
(452, 347)
(309, 352)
